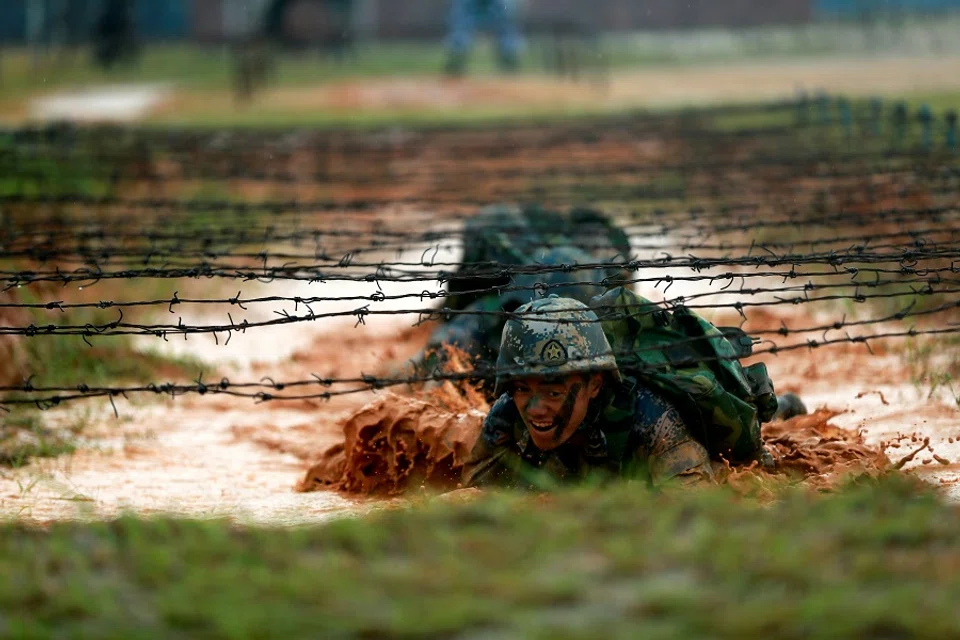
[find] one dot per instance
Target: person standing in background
(466, 16)
(115, 34)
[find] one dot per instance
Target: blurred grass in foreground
(878, 559)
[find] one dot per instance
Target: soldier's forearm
(685, 464)
(485, 471)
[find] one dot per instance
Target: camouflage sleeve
(672, 454)
(488, 464)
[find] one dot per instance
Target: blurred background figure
(115, 37)
(499, 16)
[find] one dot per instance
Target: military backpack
(696, 366)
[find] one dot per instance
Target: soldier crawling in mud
(565, 412)
(504, 236)
(661, 396)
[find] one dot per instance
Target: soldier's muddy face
(553, 408)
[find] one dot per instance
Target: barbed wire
(119, 328)
(693, 225)
(907, 258)
(373, 383)
(229, 167)
(179, 256)
(540, 288)
(874, 222)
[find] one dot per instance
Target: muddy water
(874, 395)
(182, 459)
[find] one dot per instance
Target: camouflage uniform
(629, 429)
(506, 236)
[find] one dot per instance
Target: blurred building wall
(218, 20)
(53, 21)
(13, 20)
(215, 20)
(166, 20)
(860, 7)
(427, 18)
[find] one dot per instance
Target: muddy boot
(788, 406)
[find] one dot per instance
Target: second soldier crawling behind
(565, 412)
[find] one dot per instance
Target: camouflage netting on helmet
(550, 337)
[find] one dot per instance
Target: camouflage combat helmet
(564, 284)
(553, 336)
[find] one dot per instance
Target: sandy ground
(211, 457)
(650, 87)
(196, 456)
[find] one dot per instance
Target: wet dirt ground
(664, 86)
(227, 457)
(204, 456)
(214, 456)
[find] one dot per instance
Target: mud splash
(811, 452)
(822, 453)
(398, 443)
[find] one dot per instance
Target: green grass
(205, 73)
(211, 67)
(68, 361)
(269, 116)
(934, 365)
(27, 432)
(875, 560)
(24, 436)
